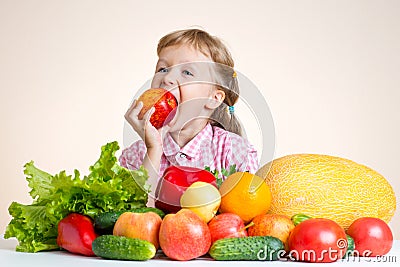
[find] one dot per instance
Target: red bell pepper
(76, 234)
(175, 181)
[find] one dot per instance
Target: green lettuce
(108, 187)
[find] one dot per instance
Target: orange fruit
(245, 194)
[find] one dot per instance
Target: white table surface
(9, 257)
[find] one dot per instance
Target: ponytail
(224, 115)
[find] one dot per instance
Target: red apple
(163, 101)
(226, 225)
(184, 235)
(144, 226)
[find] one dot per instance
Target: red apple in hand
(184, 236)
(226, 225)
(144, 226)
(163, 101)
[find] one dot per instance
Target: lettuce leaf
(108, 187)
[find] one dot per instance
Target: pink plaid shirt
(212, 146)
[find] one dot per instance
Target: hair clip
(231, 110)
(234, 75)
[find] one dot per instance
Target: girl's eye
(162, 70)
(186, 72)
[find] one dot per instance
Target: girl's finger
(137, 108)
(131, 107)
(131, 114)
(148, 114)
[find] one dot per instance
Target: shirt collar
(193, 147)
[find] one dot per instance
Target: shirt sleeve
(132, 156)
(243, 154)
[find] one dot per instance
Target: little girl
(204, 131)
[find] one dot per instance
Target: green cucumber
(350, 246)
(104, 222)
(123, 248)
(263, 248)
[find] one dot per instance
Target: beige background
(68, 69)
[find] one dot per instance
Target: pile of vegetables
(104, 214)
(108, 187)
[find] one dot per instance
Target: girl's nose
(169, 80)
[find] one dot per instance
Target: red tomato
(317, 240)
(372, 236)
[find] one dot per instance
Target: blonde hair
(212, 46)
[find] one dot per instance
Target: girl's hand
(149, 134)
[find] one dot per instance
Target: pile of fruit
(244, 217)
(229, 223)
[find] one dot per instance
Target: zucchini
(104, 222)
(123, 248)
(247, 248)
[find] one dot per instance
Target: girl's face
(187, 67)
(184, 65)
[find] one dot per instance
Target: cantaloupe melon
(327, 187)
